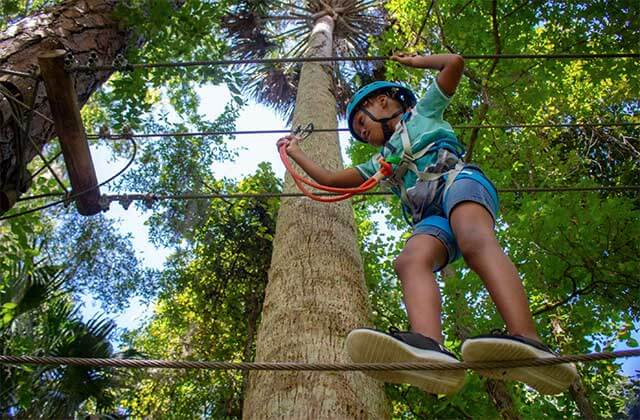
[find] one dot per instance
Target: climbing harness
(431, 183)
(434, 181)
(345, 193)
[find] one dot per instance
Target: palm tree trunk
(316, 290)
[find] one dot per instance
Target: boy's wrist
(294, 151)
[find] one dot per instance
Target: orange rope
(345, 193)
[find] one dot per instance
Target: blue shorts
(470, 185)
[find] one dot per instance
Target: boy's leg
(414, 266)
(473, 227)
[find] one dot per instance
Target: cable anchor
(121, 63)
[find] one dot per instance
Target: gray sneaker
(366, 345)
(552, 379)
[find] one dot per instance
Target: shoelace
(396, 333)
(504, 333)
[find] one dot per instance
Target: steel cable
(122, 136)
(197, 196)
(133, 66)
(300, 366)
(75, 195)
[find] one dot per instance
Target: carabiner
(303, 133)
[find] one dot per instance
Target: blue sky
(254, 149)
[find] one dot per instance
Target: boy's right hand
(291, 142)
(408, 59)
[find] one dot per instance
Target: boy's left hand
(408, 59)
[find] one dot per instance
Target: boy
(453, 208)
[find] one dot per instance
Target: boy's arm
(450, 66)
(346, 178)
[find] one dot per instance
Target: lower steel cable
(301, 366)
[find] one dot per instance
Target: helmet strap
(386, 130)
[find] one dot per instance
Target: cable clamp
(104, 132)
(69, 60)
(121, 63)
(104, 202)
(125, 201)
(127, 133)
(149, 199)
(92, 61)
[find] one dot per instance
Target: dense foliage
(208, 308)
(577, 253)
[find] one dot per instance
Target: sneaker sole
(368, 346)
(552, 379)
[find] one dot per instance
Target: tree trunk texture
(501, 399)
(579, 395)
(80, 27)
(316, 292)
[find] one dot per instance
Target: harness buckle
(407, 157)
(385, 168)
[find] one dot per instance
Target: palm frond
(275, 85)
(245, 30)
(253, 36)
(40, 287)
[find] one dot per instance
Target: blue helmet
(400, 92)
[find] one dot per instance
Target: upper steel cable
(120, 136)
(133, 66)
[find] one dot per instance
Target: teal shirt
(426, 126)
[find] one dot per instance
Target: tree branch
(576, 292)
(484, 108)
(424, 23)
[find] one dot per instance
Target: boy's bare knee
(474, 244)
(412, 259)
